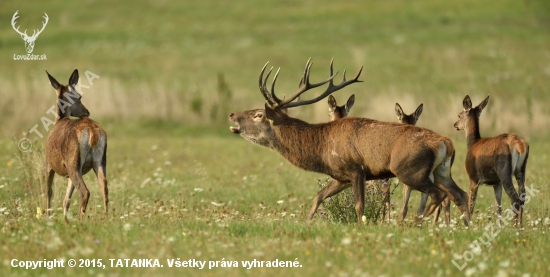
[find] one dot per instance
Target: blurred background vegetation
(187, 64)
(181, 185)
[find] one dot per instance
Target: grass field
(183, 187)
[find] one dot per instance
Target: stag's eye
(258, 115)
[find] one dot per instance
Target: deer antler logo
(29, 41)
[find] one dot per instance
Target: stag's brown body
(75, 146)
(493, 161)
(353, 150)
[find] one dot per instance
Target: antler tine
(305, 85)
(261, 83)
(330, 89)
(273, 96)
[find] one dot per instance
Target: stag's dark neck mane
(301, 143)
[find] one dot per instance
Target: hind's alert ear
(331, 103)
(418, 111)
(53, 81)
(467, 103)
(350, 103)
(399, 111)
(483, 104)
(74, 78)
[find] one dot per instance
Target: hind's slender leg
(498, 199)
(101, 174)
(68, 194)
(49, 191)
(78, 182)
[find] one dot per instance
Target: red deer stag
(352, 150)
(75, 146)
(493, 161)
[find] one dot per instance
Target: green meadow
(162, 77)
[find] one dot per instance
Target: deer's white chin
(235, 130)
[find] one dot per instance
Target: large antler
(276, 103)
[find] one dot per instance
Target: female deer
(493, 161)
(75, 146)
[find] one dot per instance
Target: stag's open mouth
(235, 130)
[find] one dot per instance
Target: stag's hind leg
(331, 189)
(444, 180)
(437, 196)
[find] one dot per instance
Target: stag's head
(336, 112)
(408, 118)
(258, 125)
(68, 99)
(469, 112)
(29, 40)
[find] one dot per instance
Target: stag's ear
(350, 103)
(418, 111)
(53, 81)
(74, 78)
(483, 103)
(331, 103)
(399, 111)
(467, 103)
(272, 115)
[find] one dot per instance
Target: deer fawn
(493, 161)
(352, 150)
(75, 146)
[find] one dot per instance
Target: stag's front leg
(331, 189)
(359, 195)
(386, 186)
